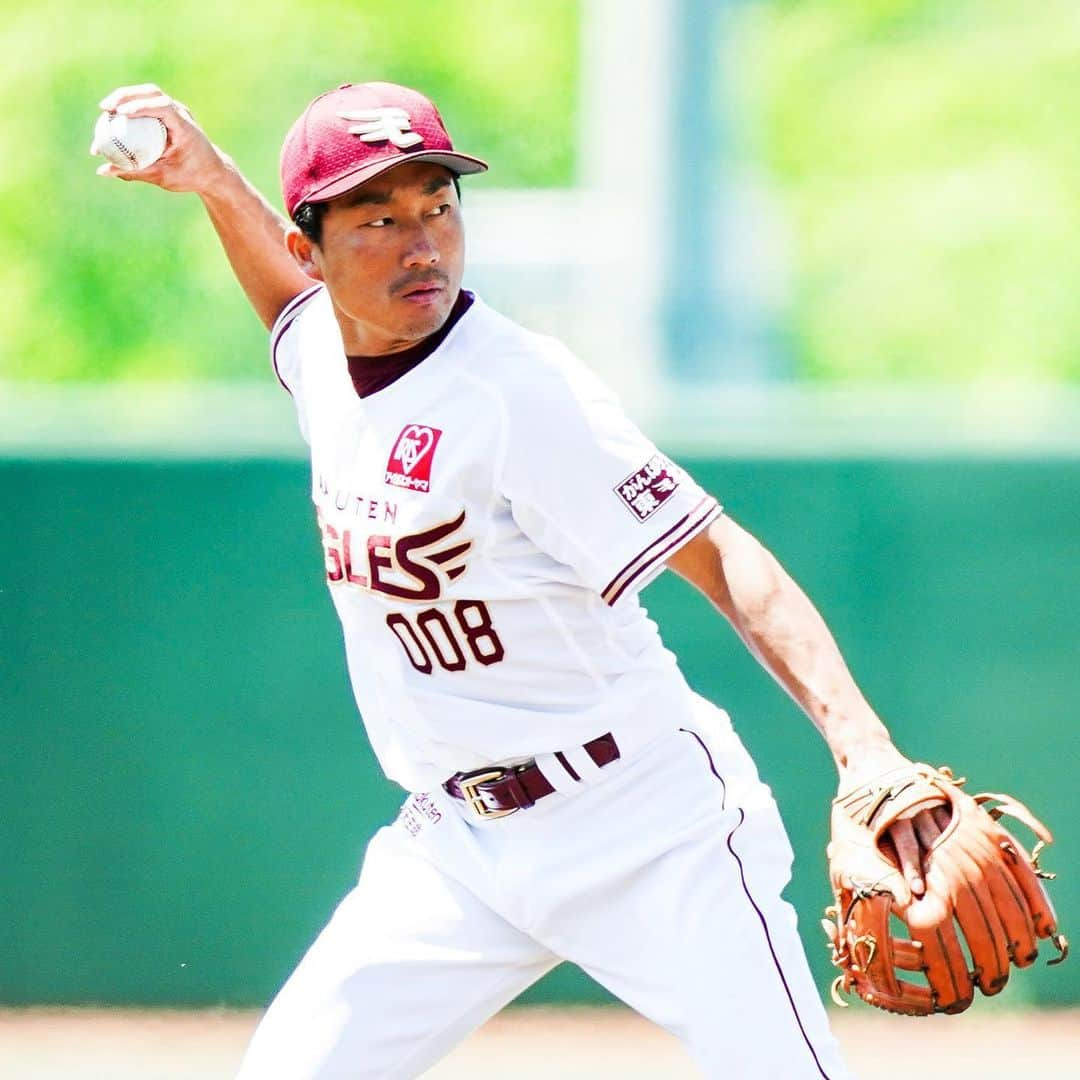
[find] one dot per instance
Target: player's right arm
(251, 231)
(789, 638)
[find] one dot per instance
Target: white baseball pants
(660, 876)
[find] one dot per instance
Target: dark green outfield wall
(185, 789)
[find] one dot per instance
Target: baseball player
(488, 517)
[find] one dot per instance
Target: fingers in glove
(1015, 917)
(1019, 864)
(941, 816)
(902, 834)
(963, 875)
(1009, 900)
(927, 830)
(931, 924)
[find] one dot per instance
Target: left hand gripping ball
(129, 142)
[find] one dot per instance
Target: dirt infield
(530, 1043)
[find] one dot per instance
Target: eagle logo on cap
(383, 125)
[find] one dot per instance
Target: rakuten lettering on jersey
(410, 460)
(645, 491)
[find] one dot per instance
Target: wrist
(220, 182)
(867, 756)
(859, 740)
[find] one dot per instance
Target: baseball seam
(125, 151)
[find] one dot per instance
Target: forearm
(789, 637)
(252, 233)
(785, 632)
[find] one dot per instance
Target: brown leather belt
(493, 793)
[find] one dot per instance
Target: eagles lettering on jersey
(412, 567)
(487, 521)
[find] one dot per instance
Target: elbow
(748, 583)
(730, 567)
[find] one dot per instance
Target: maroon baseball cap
(349, 135)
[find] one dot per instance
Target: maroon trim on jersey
(370, 374)
(753, 903)
(706, 511)
(287, 317)
(298, 299)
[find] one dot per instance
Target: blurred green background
(922, 152)
(189, 793)
(102, 282)
(187, 788)
(926, 156)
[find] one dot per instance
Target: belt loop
(556, 774)
(582, 763)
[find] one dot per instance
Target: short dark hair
(308, 217)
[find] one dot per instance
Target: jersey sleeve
(586, 486)
(286, 352)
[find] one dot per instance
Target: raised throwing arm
(251, 231)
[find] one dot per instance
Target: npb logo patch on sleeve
(410, 460)
(645, 491)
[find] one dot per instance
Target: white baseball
(129, 142)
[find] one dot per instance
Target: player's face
(392, 254)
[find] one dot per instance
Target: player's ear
(302, 249)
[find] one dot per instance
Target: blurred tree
(928, 162)
(103, 280)
(922, 152)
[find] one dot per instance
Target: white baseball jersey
(488, 520)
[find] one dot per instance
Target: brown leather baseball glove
(978, 878)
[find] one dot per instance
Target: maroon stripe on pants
(758, 911)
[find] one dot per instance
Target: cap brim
(459, 164)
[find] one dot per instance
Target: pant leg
(408, 965)
(698, 937)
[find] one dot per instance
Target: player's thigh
(409, 964)
(701, 941)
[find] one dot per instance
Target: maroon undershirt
(373, 373)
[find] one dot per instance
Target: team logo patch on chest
(410, 460)
(645, 491)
